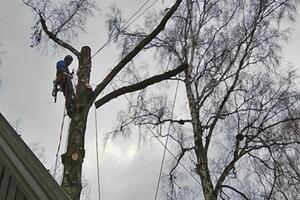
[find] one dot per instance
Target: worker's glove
(70, 76)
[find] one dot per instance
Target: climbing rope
(97, 155)
(59, 142)
(166, 143)
(61, 133)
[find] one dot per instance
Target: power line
(97, 154)
(160, 141)
(143, 12)
(167, 139)
(125, 25)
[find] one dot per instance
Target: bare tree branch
(139, 86)
(235, 190)
(53, 37)
(136, 50)
(59, 21)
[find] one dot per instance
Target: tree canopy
(242, 104)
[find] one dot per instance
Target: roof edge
(29, 172)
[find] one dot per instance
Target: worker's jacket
(62, 67)
(63, 78)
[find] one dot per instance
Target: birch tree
(59, 24)
(242, 104)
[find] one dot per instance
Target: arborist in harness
(63, 82)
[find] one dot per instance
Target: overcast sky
(25, 98)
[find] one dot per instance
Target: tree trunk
(201, 154)
(203, 171)
(73, 158)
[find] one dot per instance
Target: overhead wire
(97, 155)
(159, 140)
(126, 25)
(166, 143)
(142, 13)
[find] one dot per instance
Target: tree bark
(201, 154)
(73, 158)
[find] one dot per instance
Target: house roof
(22, 175)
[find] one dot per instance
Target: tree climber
(63, 83)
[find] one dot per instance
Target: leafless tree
(243, 107)
(61, 24)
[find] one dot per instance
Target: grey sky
(126, 172)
